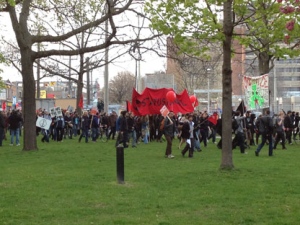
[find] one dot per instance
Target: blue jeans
(95, 133)
(132, 134)
(75, 127)
(264, 138)
(13, 133)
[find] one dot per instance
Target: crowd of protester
(193, 130)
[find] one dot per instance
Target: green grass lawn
(76, 183)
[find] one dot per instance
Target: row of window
(287, 70)
(286, 61)
(289, 78)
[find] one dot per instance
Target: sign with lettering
(256, 91)
(150, 101)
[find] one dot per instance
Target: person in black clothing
(85, 126)
(265, 128)
(123, 129)
(204, 128)
(169, 129)
(59, 124)
(188, 135)
(288, 125)
(14, 121)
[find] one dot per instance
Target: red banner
(80, 103)
(152, 100)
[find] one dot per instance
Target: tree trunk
(263, 63)
(28, 102)
(226, 162)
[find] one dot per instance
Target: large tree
(189, 22)
(49, 15)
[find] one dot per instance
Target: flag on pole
(80, 104)
(241, 108)
(213, 118)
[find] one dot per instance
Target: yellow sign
(52, 83)
(43, 94)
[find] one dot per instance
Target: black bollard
(120, 164)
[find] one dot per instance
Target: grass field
(75, 183)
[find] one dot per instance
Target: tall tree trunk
(263, 63)
(28, 102)
(226, 162)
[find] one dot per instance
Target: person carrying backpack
(265, 128)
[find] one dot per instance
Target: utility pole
(106, 74)
(38, 71)
(88, 80)
(69, 84)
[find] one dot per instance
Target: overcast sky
(150, 63)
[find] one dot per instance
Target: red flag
(80, 104)
(3, 105)
(213, 118)
(128, 106)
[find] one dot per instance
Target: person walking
(279, 130)
(188, 135)
(60, 124)
(169, 129)
(85, 126)
(288, 125)
(265, 128)
(112, 119)
(239, 132)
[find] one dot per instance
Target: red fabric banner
(80, 103)
(4, 105)
(152, 100)
(128, 106)
(213, 118)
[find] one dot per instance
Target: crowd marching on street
(193, 130)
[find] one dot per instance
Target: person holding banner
(169, 129)
(45, 131)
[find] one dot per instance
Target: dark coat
(14, 121)
(185, 132)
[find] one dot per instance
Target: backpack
(265, 125)
(235, 125)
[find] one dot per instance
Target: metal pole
(139, 60)
(69, 89)
(106, 74)
(38, 89)
(88, 80)
(208, 95)
(275, 87)
(120, 164)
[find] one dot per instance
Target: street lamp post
(277, 104)
(208, 95)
